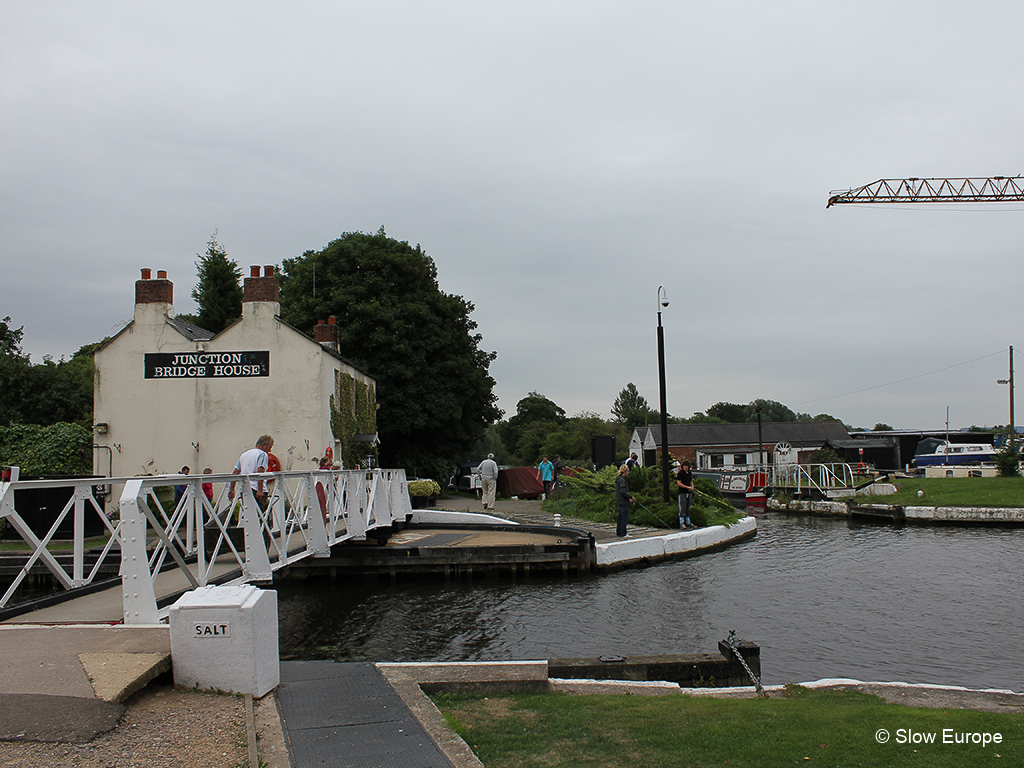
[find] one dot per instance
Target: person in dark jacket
(622, 500)
(684, 481)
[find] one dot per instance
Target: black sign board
(207, 365)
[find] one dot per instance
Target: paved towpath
(529, 512)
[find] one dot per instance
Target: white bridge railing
(204, 536)
(805, 478)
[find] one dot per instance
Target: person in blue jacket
(547, 473)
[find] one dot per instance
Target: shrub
(59, 449)
(1008, 461)
(424, 488)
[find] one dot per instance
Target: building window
(739, 459)
(717, 460)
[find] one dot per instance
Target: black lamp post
(663, 302)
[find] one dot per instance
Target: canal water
(822, 597)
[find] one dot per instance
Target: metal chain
(731, 642)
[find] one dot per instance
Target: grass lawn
(956, 492)
(55, 545)
(806, 727)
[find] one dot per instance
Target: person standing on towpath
(489, 480)
(547, 472)
(622, 500)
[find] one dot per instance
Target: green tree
(632, 410)
(533, 407)
(435, 393)
(14, 366)
(881, 427)
(771, 410)
(59, 392)
(218, 293)
(730, 413)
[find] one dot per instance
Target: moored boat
(934, 452)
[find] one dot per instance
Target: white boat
(934, 452)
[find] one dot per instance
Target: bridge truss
(164, 546)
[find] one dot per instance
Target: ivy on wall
(59, 449)
(353, 412)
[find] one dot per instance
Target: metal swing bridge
(164, 547)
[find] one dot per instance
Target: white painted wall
(155, 426)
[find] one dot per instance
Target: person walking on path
(179, 490)
(251, 462)
(632, 461)
(622, 500)
(489, 479)
(547, 471)
(684, 481)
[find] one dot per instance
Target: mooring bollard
(558, 520)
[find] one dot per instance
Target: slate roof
(190, 331)
(793, 432)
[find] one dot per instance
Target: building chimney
(149, 291)
(326, 333)
(258, 288)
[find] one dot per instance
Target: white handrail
(305, 514)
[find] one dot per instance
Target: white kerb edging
(655, 547)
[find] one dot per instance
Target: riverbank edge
(911, 514)
(408, 679)
(636, 550)
(673, 545)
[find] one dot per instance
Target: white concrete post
(257, 562)
(315, 514)
(139, 601)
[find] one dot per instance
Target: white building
(168, 393)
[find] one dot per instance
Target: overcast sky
(559, 161)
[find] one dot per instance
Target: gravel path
(163, 728)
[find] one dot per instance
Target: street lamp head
(664, 302)
(662, 296)
(1002, 381)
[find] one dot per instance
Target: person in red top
(208, 487)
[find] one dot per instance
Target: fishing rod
(641, 504)
(719, 501)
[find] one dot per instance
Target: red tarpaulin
(523, 482)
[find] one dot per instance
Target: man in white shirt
(489, 479)
(251, 462)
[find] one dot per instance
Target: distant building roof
(798, 432)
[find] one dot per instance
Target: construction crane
(994, 189)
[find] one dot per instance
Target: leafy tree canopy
(532, 408)
(218, 293)
(771, 410)
(632, 410)
(43, 394)
(881, 427)
(434, 390)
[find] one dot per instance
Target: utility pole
(1013, 427)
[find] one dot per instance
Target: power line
(900, 381)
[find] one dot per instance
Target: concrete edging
(916, 514)
(681, 544)
(442, 516)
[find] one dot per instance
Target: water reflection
(822, 597)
